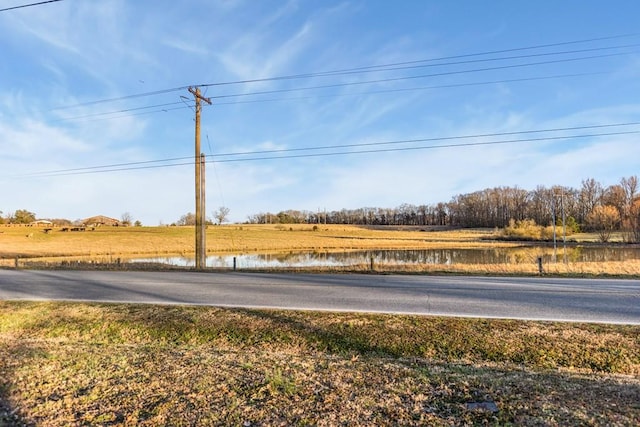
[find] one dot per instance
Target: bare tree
(187, 219)
(604, 219)
(221, 214)
(634, 221)
(590, 196)
(615, 196)
(126, 218)
(630, 187)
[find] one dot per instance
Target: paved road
(591, 300)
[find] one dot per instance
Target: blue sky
(58, 59)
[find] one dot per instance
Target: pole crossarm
(195, 91)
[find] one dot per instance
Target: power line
(347, 70)
(415, 88)
(360, 83)
(142, 113)
(468, 144)
(433, 139)
(449, 57)
(334, 95)
(216, 157)
(127, 110)
(406, 66)
(393, 79)
(387, 150)
(122, 98)
(29, 5)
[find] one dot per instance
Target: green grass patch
(108, 364)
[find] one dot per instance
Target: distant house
(41, 223)
(100, 220)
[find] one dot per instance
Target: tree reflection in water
(407, 257)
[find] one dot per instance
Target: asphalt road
(583, 300)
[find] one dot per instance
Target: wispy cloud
(187, 47)
(254, 57)
(76, 52)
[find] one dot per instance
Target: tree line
(591, 207)
(587, 207)
(21, 216)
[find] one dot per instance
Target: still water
(405, 257)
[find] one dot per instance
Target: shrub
(546, 233)
(604, 219)
(572, 225)
(526, 229)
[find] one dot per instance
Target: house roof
(100, 219)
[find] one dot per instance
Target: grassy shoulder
(102, 364)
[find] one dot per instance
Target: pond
(405, 257)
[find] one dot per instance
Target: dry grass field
(33, 247)
(122, 365)
(123, 241)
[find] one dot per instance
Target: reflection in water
(408, 257)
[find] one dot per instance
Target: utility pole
(203, 212)
(553, 220)
(564, 229)
(201, 245)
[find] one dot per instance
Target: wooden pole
(200, 243)
(203, 214)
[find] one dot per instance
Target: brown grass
(101, 364)
(106, 247)
(114, 242)
(630, 268)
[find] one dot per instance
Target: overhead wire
(309, 151)
(29, 5)
(439, 59)
(384, 150)
(403, 66)
(430, 139)
(122, 98)
(215, 172)
(394, 79)
(379, 67)
(468, 144)
(122, 116)
(126, 110)
(223, 157)
(308, 88)
(415, 88)
(333, 95)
